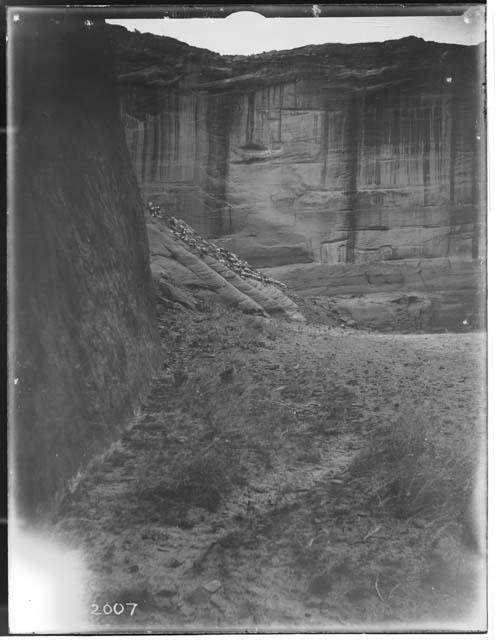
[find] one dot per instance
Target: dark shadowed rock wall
(344, 155)
(82, 316)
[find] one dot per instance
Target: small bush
(202, 481)
(409, 475)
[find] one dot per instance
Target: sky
(246, 33)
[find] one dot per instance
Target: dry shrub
(428, 486)
(408, 473)
(200, 480)
(197, 476)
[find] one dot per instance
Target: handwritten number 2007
(117, 608)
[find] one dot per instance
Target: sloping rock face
(328, 154)
(83, 341)
(191, 279)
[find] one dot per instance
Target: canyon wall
(348, 155)
(82, 342)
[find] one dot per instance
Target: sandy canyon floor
(290, 477)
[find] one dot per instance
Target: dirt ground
(250, 493)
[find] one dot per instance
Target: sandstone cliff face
(331, 153)
(82, 316)
(348, 155)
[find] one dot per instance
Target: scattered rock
(227, 373)
(213, 586)
(419, 523)
(167, 592)
(199, 596)
(175, 563)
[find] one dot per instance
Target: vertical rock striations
(82, 316)
(349, 155)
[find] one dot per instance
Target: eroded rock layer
(191, 278)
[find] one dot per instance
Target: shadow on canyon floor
(290, 476)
